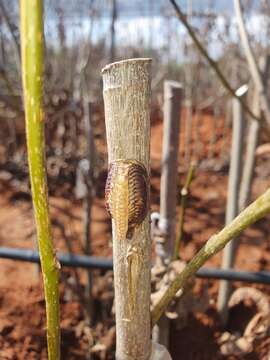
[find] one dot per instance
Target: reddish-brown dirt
(22, 315)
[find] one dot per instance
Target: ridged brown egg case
(127, 195)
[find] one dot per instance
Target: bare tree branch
(181, 16)
(10, 26)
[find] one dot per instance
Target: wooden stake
(126, 99)
(252, 139)
(169, 165)
(168, 191)
(88, 202)
(232, 202)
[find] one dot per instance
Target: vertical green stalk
(183, 205)
(32, 72)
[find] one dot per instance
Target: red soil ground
(22, 316)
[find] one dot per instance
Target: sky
(130, 8)
(140, 22)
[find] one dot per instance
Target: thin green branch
(217, 242)
(183, 205)
(210, 61)
(32, 70)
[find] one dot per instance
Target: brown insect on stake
(127, 198)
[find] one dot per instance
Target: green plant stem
(32, 69)
(183, 205)
(250, 215)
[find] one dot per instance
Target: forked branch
(210, 61)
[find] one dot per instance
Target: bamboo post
(88, 200)
(252, 143)
(126, 98)
(226, 128)
(169, 165)
(31, 17)
(255, 73)
(252, 140)
(168, 188)
(232, 200)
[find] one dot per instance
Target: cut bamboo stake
(252, 62)
(169, 165)
(127, 114)
(254, 212)
(88, 200)
(252, 140)
(168, 187)
(226, 132)
(232, 201)
(31, 13)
